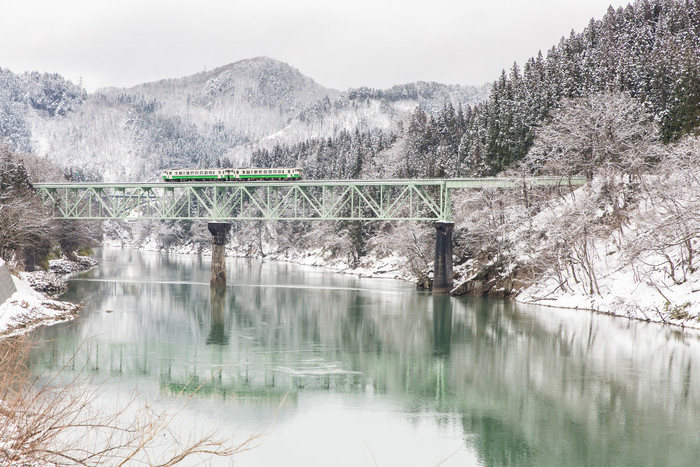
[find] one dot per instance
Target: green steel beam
(416, 200)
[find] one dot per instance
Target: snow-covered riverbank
(31, 306)
(621, 295)
(645, 268)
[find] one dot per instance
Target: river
(347, 371)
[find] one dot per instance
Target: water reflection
(516, 385)
(442, 324)
(217, 327)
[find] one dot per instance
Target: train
(231, 175)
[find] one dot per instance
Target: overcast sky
(338, 43)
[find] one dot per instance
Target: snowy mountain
(203, 119)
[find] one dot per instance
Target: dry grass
(56, 420)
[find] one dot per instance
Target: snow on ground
(633, 285)
(623, 295)
(28, 308)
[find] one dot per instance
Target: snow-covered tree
(605, 132)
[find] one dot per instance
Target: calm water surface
(343, 371)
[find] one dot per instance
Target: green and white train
(230, 175)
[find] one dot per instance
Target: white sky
(338, 43)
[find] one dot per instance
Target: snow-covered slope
(641, 270)
(198, 120)
(27, 309)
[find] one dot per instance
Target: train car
(231, 175)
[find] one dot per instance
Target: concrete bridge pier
(219, 231)
(443, 280)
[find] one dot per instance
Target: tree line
(649, 49)
(29, 236)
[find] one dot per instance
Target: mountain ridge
(204, 118)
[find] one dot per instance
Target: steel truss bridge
(410, 199)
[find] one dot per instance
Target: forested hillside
(206, 119)
(649, 49)
(48, 95)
